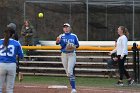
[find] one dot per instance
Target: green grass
(44, 80)
(102, 82)
(80, 81)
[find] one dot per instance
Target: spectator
(28, 34)
(122, 52)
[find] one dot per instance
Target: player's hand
(57, 39)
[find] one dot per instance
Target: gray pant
(68, 61)
(7, 75)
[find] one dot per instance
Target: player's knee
(72, 78)
(70, 74)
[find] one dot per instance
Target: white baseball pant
(7, 75)
(68, 61)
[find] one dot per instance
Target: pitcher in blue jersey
(68, 42)
(9, 49)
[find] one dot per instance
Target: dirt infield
(29, 88)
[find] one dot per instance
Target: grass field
(80, 81)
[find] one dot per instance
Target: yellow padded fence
(93, 48)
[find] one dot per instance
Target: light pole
(133, 33)
(87, 21)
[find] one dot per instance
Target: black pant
(122, 69)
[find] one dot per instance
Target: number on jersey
(7, 52)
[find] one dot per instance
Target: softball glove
(70, 47)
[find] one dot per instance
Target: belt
(67, 52)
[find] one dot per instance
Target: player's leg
(20, 76)
(10, 79)
(2, 75)
(71, 64)
(125, 72)
(121, 70)
(130, 80)
(64, 59)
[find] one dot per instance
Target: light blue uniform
(8, 63)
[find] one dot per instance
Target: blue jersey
(9, 54)
(68, 37)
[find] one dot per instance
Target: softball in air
(40, 15)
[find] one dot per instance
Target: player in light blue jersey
(9, 50)
(68, 42)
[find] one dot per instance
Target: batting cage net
(90, 19)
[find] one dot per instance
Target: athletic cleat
(119, 83)
(130, 82)
(73, 91)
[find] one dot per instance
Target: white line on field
(57, 86)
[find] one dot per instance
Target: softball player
(9, 49)
(68, 42)
(15, 36)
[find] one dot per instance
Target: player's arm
(124, 47)
(76, 42)
(20, 51)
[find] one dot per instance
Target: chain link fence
(92, 20)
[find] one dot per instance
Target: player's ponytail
(8, 33)
(125, 31)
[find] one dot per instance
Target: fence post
(138, 72)
(134, 49)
